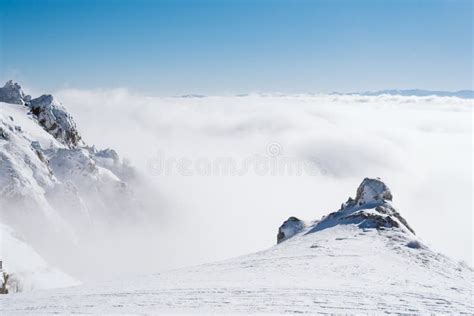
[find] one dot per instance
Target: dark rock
(4, 134)
(289, 228)
(414, 244)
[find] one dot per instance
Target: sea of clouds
(298, 155)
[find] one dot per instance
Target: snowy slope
(54, 189)
(363, 258)
(27, 269)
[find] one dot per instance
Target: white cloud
(421, 146)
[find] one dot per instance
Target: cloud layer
(421, 147)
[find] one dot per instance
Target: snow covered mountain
(363, 258)
(54, 189)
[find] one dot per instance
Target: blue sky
(225, 47)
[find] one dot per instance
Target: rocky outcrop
(55, 120)
(289, 228)
(48, 111)
(13, 93)
(371, 209)
(371, 190)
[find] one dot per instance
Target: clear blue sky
(222, 47)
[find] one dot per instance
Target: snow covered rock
(289, 228)
(13, 93)
(55, 120)
(371, 209)
(109, 159)
(49, 112)
(372, 190)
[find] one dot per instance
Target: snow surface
(343, 269)
(26, 267)
(54, 190)
(350, 267)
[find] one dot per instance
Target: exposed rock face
(372, 190)
(289, 228)
(55, 120)
(13, 93)
(387, 211)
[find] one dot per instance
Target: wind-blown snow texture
(361, 259)
(53, 188)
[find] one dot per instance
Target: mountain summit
(371, 208)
